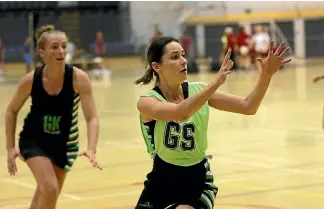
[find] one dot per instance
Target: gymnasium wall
(302, 29)
(144, 15)
(14, 30)
(210, 23)
(132, 25)
(115, 26)
(238, 7)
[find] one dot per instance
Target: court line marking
(265, 175)
(286, 189)
(292, 170)
(221, 181)
(254, 164)
(255, 156)
(252, 177)
(96, 197)
(313, 131)
(30, 186)
(282, 189)
(272, 159)
(276, 189)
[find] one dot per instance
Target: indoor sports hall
(271, 160)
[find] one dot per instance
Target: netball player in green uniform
(174, 121)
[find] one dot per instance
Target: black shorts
(168, 186)
(56, 152)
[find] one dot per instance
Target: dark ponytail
(154, 54)
(148, 77)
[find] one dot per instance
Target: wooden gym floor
(273, 160)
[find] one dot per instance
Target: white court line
(253, 164)
(313, 172)
(83, 199)
(113, 195)
(321, 170)
(135, 145)
(271, 159)
(291, 170)
(138, 192)
(30, 186)
(318, 132)
(251, 177)
(141, 146)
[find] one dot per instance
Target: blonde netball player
(48, 142)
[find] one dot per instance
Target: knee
(35, 200)
(49, 187)
(184, 207)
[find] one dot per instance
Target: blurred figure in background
(244, 58)
(70, 48)
(228, 40)
(186, 43)
(27, 56)
(100, 45)
(2, 56)
(156, 34)
(260, 44)
(2, 53)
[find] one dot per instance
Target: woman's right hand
(225, 68)
(11, 161)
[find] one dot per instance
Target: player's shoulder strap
(69, 77)
(155, 92)
(196, 86)
(38, 72)
(37, 81)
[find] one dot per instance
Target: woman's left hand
(91, 155)
(274, 61)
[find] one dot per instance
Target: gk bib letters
(52, 124)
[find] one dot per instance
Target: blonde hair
(41, 34)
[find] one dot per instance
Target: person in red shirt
(243, 48)
(1, 52)
(158, 34)
(186, 42)
(100, 45)
(2, 59)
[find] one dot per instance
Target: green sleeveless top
(181, 143)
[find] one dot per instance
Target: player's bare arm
(249, 105)
(18, 100)
(152, 109)
(82, 86)
(21, 95)
(157, 110)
